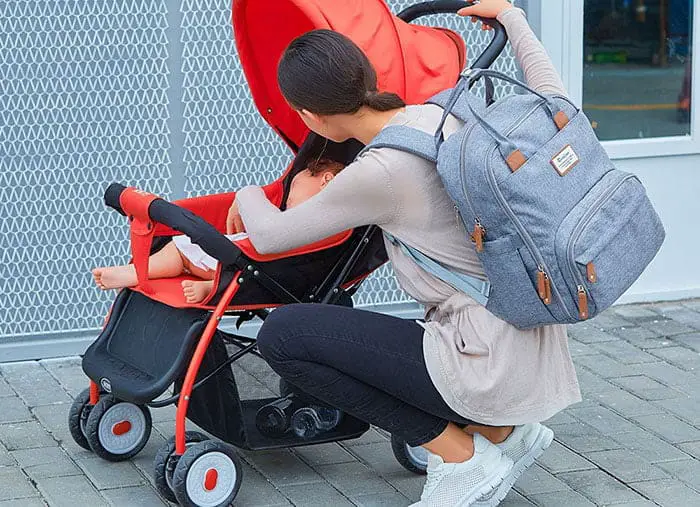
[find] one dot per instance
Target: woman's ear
(308, 116)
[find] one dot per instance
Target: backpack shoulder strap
(406, 139)
(479, 290)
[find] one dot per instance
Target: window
(637, 70)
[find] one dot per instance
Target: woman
(467, 386)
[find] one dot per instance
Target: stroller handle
(492, 51)
(146, 207)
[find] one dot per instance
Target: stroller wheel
(117, 430)
(164, 464)
(208, 474)
(77, 418)
(413, 459)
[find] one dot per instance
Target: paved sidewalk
(633, 441)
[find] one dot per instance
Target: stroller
(153, 339)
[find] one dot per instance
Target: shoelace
(432, 481)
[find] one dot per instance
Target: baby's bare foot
(115, 277)
(196, 291)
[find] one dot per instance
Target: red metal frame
(195, 363)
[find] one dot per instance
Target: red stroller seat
(153, 339)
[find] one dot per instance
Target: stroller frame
(181, 456)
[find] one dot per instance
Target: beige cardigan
(484, 368)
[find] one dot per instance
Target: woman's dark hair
(325, 73)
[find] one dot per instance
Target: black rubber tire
(400, 450)
(163, 469)
(93, 426)
(77, 418)
(191, 455)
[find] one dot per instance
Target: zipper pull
(478, 235)
(590, 273)
(582, 303)
(544, 286)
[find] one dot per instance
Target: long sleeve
(539, 71)
(361, 194)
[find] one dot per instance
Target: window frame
(562, 35)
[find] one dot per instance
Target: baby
(182, 256)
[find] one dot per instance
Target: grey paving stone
(140, 496)
(646, 388)
(559, 459)
(624, 352)
(381, 500)
(592, 383)
(680, 356)
(34, 384)
(324, 454)
(14, 410)
(626, 465)
(69, 373)
(687, 471)
(70, 491)
(54, 418)
(25, 435)
(320, 494)
(24, 502)
(354, 479)
(583, 438)
(667, 327)
(537, 480)
(165, 414)
(378, 456)
(638, 503)
(588, 333)
(687, 408)
(649, 446)
(105, 474)
(515, 499)
(43, 462)
(258, 491)
(561, 418)
(691, 341)
(684, 315)
(250, 387)
(693, 304)
(603, 419)
(635, 313)
(144, 460)
(15, 484)
(369, 437)
(258, 368)
(670, 375)
(609, 320)
(407, 483)
(668, 493)
(669, 427)
(283, 468)
(577, 348)
(599, 487)
(640, 337)
(6, 459)
(605, 366)
(625, 403)
(560, 498)
(5, 389)
(692, 448)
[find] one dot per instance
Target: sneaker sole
(543, 441)
(501, 473)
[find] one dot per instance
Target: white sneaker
(524, 445)
(460, 484)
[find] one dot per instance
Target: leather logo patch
(565, 160)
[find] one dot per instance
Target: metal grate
(91, 94)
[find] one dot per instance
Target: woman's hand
(234, 222)
(485, 9)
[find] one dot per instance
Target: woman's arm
(539, 71)
(361, 194)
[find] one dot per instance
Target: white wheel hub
(122, 428)
(211, 479)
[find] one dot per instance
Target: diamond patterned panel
(227, 143)
(82, 103)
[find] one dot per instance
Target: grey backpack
(561, 233)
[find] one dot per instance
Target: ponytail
(383, 101)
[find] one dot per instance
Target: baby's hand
(234, 222)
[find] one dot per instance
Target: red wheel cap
(121, 428)
(210, 479)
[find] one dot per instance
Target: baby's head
(311, 180)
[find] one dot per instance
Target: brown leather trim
(561, 120)
(516, 160)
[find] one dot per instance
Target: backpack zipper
(585, 220)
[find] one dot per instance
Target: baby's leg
(166, 263)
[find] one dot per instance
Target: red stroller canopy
(416, 62)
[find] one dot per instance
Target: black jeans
(367, 364)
